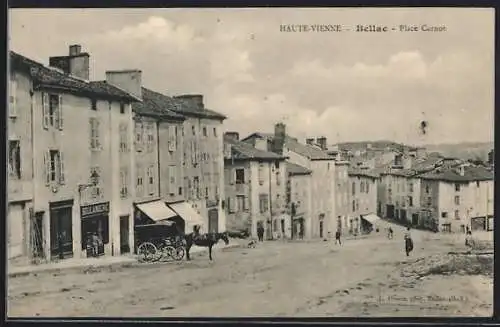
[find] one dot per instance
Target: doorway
(321, 229)
(213, 221)
(414, 219)
(37, 235)
(124, 233)
(61, 233)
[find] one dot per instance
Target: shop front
(94, 228)
(61, 229)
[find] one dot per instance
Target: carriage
(161, 241)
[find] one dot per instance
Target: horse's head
(224, 237)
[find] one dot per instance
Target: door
(283, 227)
(414, 219)
(61, 233)
(213, 221)
(124, 233)
(321, 229)
(390, 211)
(37, 235)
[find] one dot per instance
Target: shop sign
(95, 209)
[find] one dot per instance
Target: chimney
(321, 141)
(77, 63)
(129, 80)
(398, 160)
(192, 100)
(309, 141)
(233, 136)
(279, 138)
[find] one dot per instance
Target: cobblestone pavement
(318, 278)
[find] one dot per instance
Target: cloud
(345, 87)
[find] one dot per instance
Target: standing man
(337, 237)
(408, 242)
(260, 232)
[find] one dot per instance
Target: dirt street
(364, 277)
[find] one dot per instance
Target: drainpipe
(270, 202)
(158, 154)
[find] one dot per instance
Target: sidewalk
(107, 261)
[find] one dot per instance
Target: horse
(206, 240)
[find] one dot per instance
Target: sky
(346, 86)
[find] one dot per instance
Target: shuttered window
(52, 111)
(94, 125)
(12, 95)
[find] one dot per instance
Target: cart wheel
(179, 253)
(147, 252)
(167, 252)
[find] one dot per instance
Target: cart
(161, 241)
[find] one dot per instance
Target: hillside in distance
(464, 150)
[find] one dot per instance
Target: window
(410, 187)
(457, 200)
(261, 174)
(240, 200)
(12, 95)
(215, 131)
(263, 203)
(278, 178)
(429, 201)
(196, 182)
(140, 181)
(52, 111)
(123, 130)
(426, 188)
(446, 228)
(457, 187)
(172, 179)
(95, 144)
(180, 190)
(231, 205)
(353, 205)
(14, 159)
(204, 131)
(139, 141)
(328, 166)
(444, 214)
(151, 179)
(54, 167)
(357, 205)
(172, 138)
(123, 182)
(240, 176)
(367, 187)
(150, 138)
(193, 128)
(122, 107)
(93, 104)
(353, 188)
(457, 214)
(410, 201)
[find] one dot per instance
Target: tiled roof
(450, 174)
(244, 151)
(309, 151)
(363, 172)
(187, 109)
(294, 169)
(45, 76)
(156, 105)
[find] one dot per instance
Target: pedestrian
(468, 238)
(408, 242)
(337, 237)
(260, 233)
(390, 233)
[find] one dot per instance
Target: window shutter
(60, 112)
(97, 136)
(62, 179)
(246, 203)
(13, 98)
(233, 205)
(46, 161)
(45, 111)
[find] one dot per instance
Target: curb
(115, 265)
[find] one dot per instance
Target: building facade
(203, 161)
(255, 189)
(456, 198)
(299, 200)
(342, 198)
(363, 198)
(74, 180)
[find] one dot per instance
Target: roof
(50, 77)
(309, 151)
(244, 151)
(156, 105)
(294, 169)
(187, 109)
(363, 172)
(450, 174)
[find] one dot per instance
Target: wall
(429, 203)
(238, 220)
(171, 157)
(145, 158)
(300, 194)
(323, 194)
(342, 196)
(20, 190)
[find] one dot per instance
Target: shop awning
(156, 210)
(371, 218)
(189, 214)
